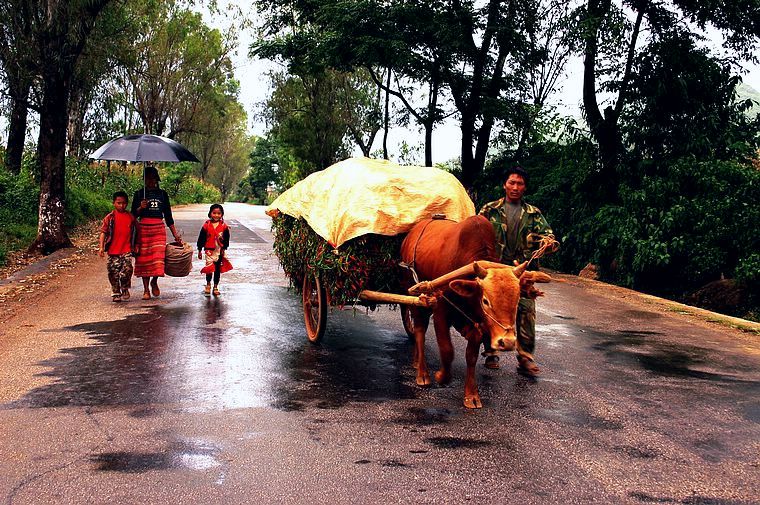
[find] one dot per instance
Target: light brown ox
(478, 298)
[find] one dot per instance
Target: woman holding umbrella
(152, 209)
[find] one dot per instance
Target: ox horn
(520, 269)
(479, 270)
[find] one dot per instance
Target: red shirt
(212, 233)
(121, 242)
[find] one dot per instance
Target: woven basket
(179, 259)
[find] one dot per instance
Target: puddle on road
(462, 443)
(183, 455)
(229, 352)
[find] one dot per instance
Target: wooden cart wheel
(406, 319)
(314, 307)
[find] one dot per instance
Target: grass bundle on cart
(338, 232)
(366, 262)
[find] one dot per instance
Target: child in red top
(214, 239)
(117, 239)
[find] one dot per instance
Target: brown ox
(482, 304)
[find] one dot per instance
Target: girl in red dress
(214, 239)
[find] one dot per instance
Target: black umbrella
(143, 148)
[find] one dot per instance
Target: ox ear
(464, 288)
(520, 269)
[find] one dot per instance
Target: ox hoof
(442, 377)
(423, 380)
(473, 402)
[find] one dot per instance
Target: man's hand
(143, 204)
(200, 254)
(534, 241)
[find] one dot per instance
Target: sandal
(146, 296)
(125, 295)
(207, 290)
(216, 291)
(115, 298)
(154, 288)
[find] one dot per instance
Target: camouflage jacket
(532, 227)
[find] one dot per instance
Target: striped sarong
(152, 240)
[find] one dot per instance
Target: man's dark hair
(215, 206)
(120, 193)
(516, 170)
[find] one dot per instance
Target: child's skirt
(212, 257)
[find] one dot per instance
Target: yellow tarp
(361, 195)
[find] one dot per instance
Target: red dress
(214, 247)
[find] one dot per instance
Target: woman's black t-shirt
(158, 204)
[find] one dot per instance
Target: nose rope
(505, 328)
(477, 325)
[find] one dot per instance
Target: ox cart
(338, 234)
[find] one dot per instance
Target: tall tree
(58, 33)
(180, 62)
(17, 66)
(475, 51)
(305, 114)
(108, 48)
(611, 41)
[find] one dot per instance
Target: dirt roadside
(28, 278)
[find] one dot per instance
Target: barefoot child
(214, 239)
(117, 239)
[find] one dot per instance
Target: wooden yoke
(379, 297)
(431, 286)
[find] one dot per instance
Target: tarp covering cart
(338, 232)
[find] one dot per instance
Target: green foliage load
(366, 262)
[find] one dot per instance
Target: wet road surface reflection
(244, 349)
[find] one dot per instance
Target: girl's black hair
(215, 206)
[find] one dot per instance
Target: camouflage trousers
(120, 272)
(525, 327)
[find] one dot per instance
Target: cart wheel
(314, 307)
(406, 319)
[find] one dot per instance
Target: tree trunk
(51, 234)
(600, 127)
(17, 128)
(75, 128)
(430, 120)
(386, 119)
(468, 160)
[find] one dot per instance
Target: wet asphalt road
(185, 399)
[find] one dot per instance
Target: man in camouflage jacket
(519, 228)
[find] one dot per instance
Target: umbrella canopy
(143, 148)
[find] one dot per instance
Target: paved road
(185, 399)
